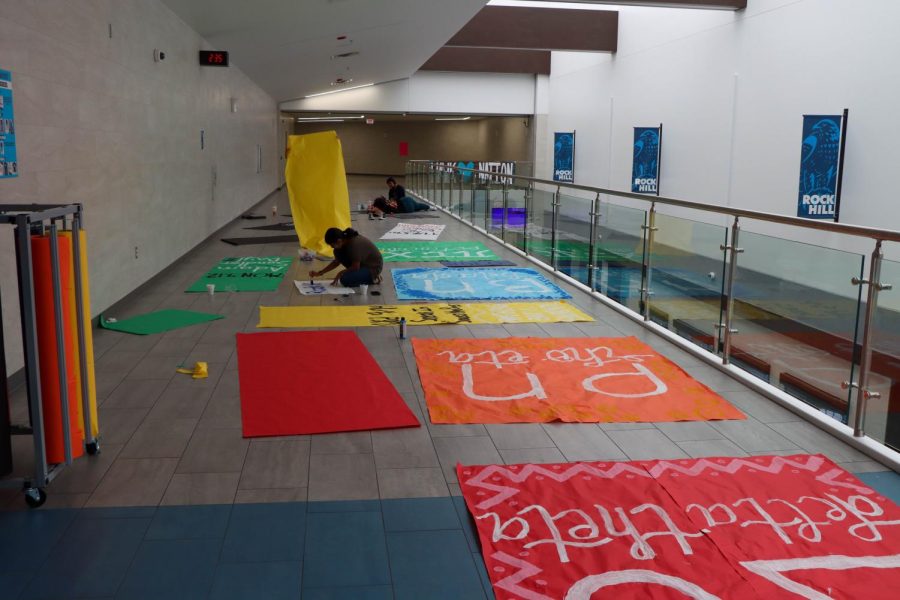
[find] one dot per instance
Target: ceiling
(378, 117)
(286, 46)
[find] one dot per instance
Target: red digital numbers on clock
(213, 58)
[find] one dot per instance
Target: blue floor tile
(190, 522)
(12, 584)
(253, 581)
(883, 482)
(344, 506)
(265, 533)
(434, 565)
(26, 538)
(419, 514)
(483, 575)
(345, 549)
(368, 592)
(91, 559)
(468, 524)
(171, 569)
(118, 512)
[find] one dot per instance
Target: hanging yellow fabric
(317, 186)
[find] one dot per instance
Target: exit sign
(213, 58)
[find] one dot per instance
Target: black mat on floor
(276, 227)
(249, 216)
(263, 239)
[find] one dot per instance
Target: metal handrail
(887, 235)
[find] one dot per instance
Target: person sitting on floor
(383, 206)
(361, 259)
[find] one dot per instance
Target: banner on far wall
(821, 158)
(9, 166)
(564, 156)
(645, 163)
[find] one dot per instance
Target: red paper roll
(47, 353)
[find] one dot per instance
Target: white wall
(731, 89)
(433, 92)
(99, 122)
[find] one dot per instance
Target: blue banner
(564, 157)
(819, 166)
(474, 284)
(645, 164)
(9, 166)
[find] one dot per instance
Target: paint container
(364, 289)
(211, 288)
(402, 328)
(274, 210)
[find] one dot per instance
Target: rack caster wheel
(93, 447)
(35, 497)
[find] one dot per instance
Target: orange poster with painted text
(538, 380)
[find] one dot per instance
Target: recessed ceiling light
(452, 118)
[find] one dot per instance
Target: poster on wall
(821, 162)
(9, 166)
(645, 163)
(564, 156)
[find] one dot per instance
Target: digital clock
(213, 58)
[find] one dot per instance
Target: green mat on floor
(434, 251)
(159, 321)
(245, 274)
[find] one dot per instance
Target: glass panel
(619, 254)
(539, 223)
(796, 312)
(495, 201)
(465, 193)
(513, 219)
(687, 271)
(882, 418)
(573, 236)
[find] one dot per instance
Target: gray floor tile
(85, 473)
(439, 431)
(646, 444)
(270, 495)
(180, 402)
(699, 449)
(689, 431)
(583, 441)
(753, 436)
(276, 464)
(160, 439)
(153, 367)
(342, 477)
(814, 440)
(136, 394)
(403, 448)
(516, 436)
(221, 412)
(214, 451)
(759, 407)
(714, 378)
(117, 425)
(532, 455)
(412, 483)
(134, 482)
(352, 442)
(626, 426)
(465, 450)
(201, 488)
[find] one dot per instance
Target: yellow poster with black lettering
(317, 187)
(420, 314)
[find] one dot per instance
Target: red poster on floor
(302, 382)
(537, 380)
(760, 527)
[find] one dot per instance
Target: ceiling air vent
(345, 54)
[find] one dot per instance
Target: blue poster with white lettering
(645, 164)
(819, 166)
(564, 157)
(9, 166)
(516, 283)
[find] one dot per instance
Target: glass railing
(800, 317)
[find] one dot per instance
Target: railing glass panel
(882, 417)
(795, 312)
(573, 236)
(619, 254)
(538, 231)
(514, 218)
(686, 275)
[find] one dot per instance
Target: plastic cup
(364, 289)
(211, 288)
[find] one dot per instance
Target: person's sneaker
(381, 217)
(371, 217)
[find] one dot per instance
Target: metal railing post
(450, 185)
(729, 288)
(529, 194)
(504, 214)
(649, 230)
(592, 242)
(555, 215)
(865, 362)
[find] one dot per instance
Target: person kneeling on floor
(361, 259)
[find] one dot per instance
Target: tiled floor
(349, 515)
